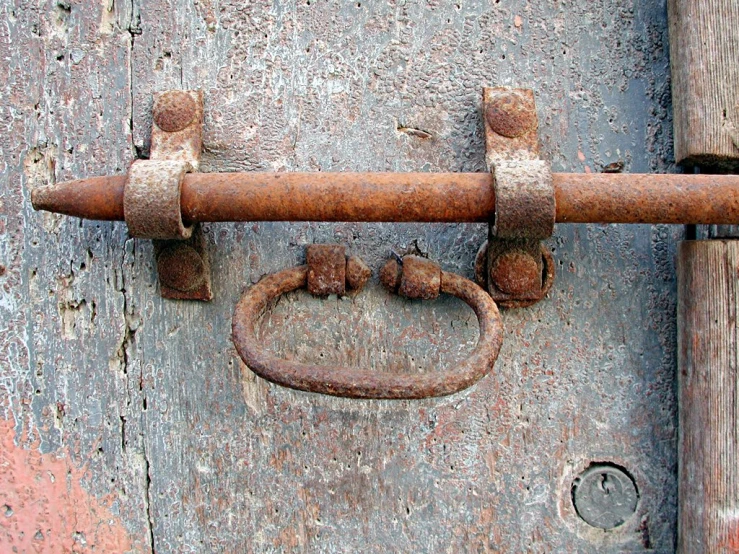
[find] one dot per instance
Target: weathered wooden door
(129, 422)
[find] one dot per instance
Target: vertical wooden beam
(704, 56)
(708, 383)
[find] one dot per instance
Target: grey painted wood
(69, 391)
(146, 399)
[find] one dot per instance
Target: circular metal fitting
(605, 496)
(181, 267)
(151, 200)
(510, 113)
(524, 199)
(506, 276)
(516, 272)
(174, 111)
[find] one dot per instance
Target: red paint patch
(44, 508)
(731, 542)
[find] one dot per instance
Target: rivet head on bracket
(516, 272)
(174, 111)
(510, 114)
(181, 267)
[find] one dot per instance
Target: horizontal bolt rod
(420, 197)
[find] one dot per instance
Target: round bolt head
(510, 114)
(181, 267)
(357, 273)
(604, 496)
(515, 272)
(390, 275)
(174, 111)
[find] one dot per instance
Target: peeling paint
(203, 456)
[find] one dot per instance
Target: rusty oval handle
(358, 383)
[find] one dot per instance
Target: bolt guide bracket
(164, 199)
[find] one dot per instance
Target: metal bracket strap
(153, 192)
(151, 200)
(513, 265)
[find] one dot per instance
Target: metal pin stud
(605, 496)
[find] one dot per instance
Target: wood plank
(708, 474)
(704, 56)
(146, 401)
(74, 475)
(237, 463)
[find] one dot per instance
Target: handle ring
(358, 383)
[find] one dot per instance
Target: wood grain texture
(186, 447)
(70, 403)
(708, 475)
(704, 54)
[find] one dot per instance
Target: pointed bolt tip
(93, 198)
(40, 198)
(48, 197)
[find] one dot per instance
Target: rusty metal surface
(516, 272)
(173, 110)
(511, 124)
(524, 199)
(420, 278)
(151, 199)
(176, 135)
(647, 198)
(326, 269)
(411, 197)
(390, 275)
(357, 383)
(338, 197)
(177, 129)
(183, 268)
(514, 259)
(531, 282)
(180, 267)
(98, 198)
(357, 274)
(510, 113)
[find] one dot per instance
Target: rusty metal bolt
(326, 269)
(510, 114)
(421, 278)
(515, 272)
(357, 273)
(330, 272)
(605, 496)
(390, 275)
(174, 111)
(181, 267)
(416, 277)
